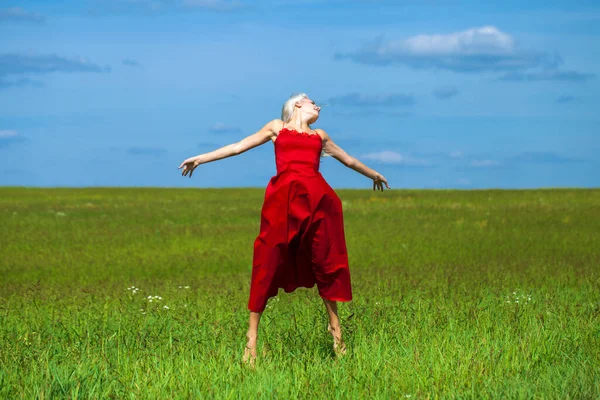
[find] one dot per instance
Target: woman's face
(308, 106)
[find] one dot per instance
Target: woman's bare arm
(256, 139)
(336, 152)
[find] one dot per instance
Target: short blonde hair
(288, 110)
(288, 107)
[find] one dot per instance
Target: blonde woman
(301, 241)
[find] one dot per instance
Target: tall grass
(457, 294)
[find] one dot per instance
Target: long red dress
(301, 240)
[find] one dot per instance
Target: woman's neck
(298, 123)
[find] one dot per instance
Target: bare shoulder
(272, 129)
(323, 134)
(276, 124)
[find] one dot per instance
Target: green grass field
(457, 294)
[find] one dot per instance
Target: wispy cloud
(484, 163)
(208, 145)
(445, 92)
(5, 83)
(146, 151)
(15, 63)
(9, 136)
(220, 127)
(161, 6)
(373, 100)
(548, 75)
(371, 112)
(131, 62)
(475, 50)
(392, 157)
(542, 157)
(566, 99)
(217, 5)
(17, 14)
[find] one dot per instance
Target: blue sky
(431, 94)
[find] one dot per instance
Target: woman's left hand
(189, 165)
(378, 182)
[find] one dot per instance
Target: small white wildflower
(186, 287)
(149, 297)
(180, 286)
(166, 307)
(150, 301)
(158, 297)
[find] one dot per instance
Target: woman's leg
(334, 326)
(252, 336)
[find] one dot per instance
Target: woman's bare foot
(339, 347)
(250, 352)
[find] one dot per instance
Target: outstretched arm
(336, 152)
(234, 149)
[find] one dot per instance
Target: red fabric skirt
(301, 241)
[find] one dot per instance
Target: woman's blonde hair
(288, 107)
(288, 110)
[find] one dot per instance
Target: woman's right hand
(378, 182)
(189, 165)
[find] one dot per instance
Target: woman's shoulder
(323, 134)
(276, 124)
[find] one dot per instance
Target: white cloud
(392, 157)
(473, 50)
(484, 40)
(484, 163)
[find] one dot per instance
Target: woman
(301, 241)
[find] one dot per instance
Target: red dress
(301, 240)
